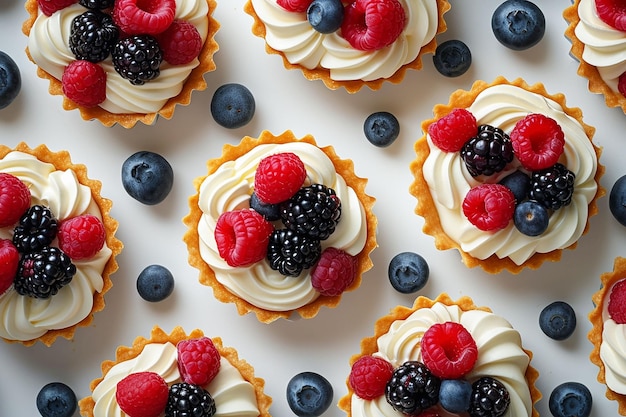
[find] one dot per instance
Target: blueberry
(455, 395)
(147, 177)
(325, 16)
(309, 394)
(570, 399)
(617, 200)
(155, 283)
(519, 184)
(408, 272)
(518, 24)
(558, 320)
(232, 106)
(452, 58)
(381, 128)
(56, 400)
(271, 212)
(531, 218)
(10, 80)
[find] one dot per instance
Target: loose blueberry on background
(147, 177)
(309, 394)
(325, 16)
(408, 272)
(531, 218)
(56, 400)
(455, 395)
(518, 24)
(617, 200)
(570, 399)
(10, 80)
(558, 320)
(155, 283)
(452, 58)
(381, 128)
(519, 184)
(232, 106)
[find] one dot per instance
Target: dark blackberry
(92, 36)
(289, 252)
(137, 58)
(189, 400)
(97, 4)
(313, 211)
(490, 398)
(42, 274)
(488, 152)
(553, 187)
(412, 388)
(37, 229)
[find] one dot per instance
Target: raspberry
(612, 12)
(198, 360)
(84, 83)
(297, 6)
(278, 177)
(489, 207)
(369, 25)
(50, 6)
(242, 237)
(181, 43)
(369, 376)
(450, 132)
(81, 237)
(142, 394)
(621, 84)
(14, 199)
(148, 17)
(538, 141)
(9, 261)
(334, 272)
(449, 350)
(617, 302)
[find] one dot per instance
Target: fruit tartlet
(598, 36)
(122, 61)
(179, 374)
(608, 319)
(507, 174)
(361, 42)
(457, 359)
(57, 245)
(280, 226)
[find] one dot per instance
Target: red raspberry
(181, 42)
(9, 261)
(142, 394)
(617, 302)
(612, 12)
(84, 83)
(198, 360)
(144, 17)
(294, 5)
(369, 25)
(450, 132)
(621, 84)
(334, 272)
(14, 199)
(369, 376)
(489, 207)
(278, 177)
(538, 141)
(449, 350)
(50, 6)
(81, 237)
(242, 237)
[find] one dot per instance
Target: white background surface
(285, 100)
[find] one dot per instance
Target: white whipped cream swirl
(449, 181)
(613, 350)
(229, 188)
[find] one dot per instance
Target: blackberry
(488, 152)
(313, 211)
(36, 229)
(42, 274)
(189, 400)
(490, 398)
(289, 252)
(137, 58)
(97, 4)
(412, 388)
(92, 36)
(553, 187)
